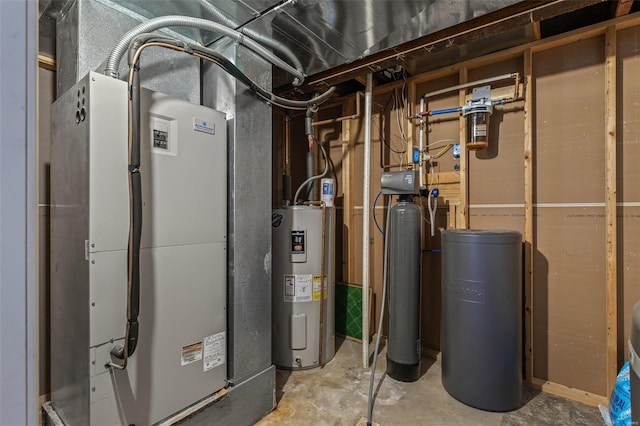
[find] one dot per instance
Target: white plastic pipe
(365, 221)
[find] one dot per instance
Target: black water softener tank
(482, 317)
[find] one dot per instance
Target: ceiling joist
(623, 7)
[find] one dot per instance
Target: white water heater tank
(303, 313)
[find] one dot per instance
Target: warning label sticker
(191, 353)
(298, 288)
(214, 351)
(317, 289)
(289, 287)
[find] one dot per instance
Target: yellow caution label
(317, 283)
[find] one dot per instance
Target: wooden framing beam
(452, 216)
(46, 62)
(529, 247)
(361, 79)
(537, 34)
(347, 203)
(568, 392)
(623, 7)
(610, 207)
(464, 156)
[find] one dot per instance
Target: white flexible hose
(432, 206)
(387, 233)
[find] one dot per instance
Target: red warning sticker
(191, 353)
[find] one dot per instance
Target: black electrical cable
(235, 72)
(123, 352)
(135, 236)
(375, 220)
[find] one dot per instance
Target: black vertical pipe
(311, 169)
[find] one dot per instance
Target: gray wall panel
(18, 130)
(249, 131)
(69, 266)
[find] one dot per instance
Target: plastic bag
(620, 402)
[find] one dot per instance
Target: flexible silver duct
(260, 38)
(113, 62)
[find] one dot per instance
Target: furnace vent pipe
(113, 62)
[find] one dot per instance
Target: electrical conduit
(113, 61)
(260, 38)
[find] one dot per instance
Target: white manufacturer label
(298, 288)
(191, 353)
(204, 126)
(214, 351)
(409, 178)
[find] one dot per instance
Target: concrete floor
(337, 395)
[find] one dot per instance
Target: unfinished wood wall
(561, 168)
(569, 217)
